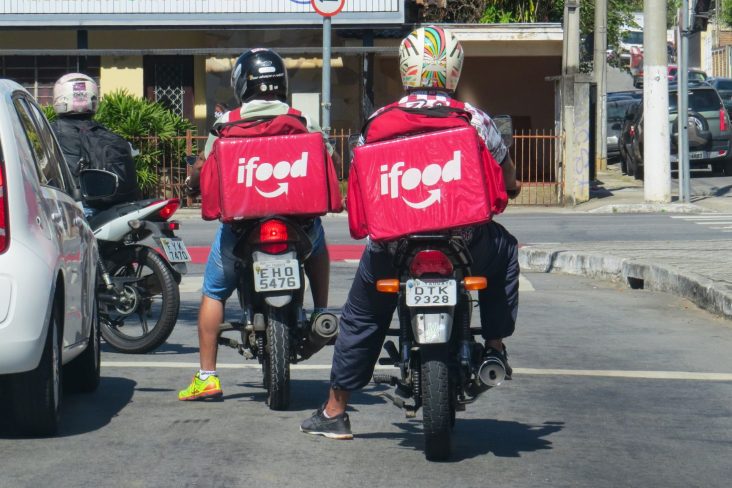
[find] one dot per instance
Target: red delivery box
(421, 183)
(260, 176)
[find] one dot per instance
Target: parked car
(616, 109)
(695, 75)
(724, 88)
(49, 334)
(710, 133)
(626, 135)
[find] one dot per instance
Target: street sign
(328, 8)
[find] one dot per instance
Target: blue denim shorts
(220, 278)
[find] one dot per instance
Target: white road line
(701, 217)
(653, 375)
(714, 222)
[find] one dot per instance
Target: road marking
(701, 217)
(606, 373)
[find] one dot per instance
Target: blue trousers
(367, 312)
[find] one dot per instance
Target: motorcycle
(138, 290)
(274, 328)
(441, 364)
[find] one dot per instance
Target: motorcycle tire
(159, 282)
(276, 364)
(437, 415)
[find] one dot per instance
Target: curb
(709, 295)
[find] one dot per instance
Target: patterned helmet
(430, 57)
(75, 93)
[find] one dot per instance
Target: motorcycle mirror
(504, 124)
(191, 159)
(96, 184)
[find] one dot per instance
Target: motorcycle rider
(430, 61)
(261, 94)
(75, 101)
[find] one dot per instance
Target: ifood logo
(251, 169)
(393, 179)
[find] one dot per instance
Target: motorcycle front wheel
(144, 320)
(276, 363)
(437, 412)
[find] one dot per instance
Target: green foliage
(150, 127)
(725, 12)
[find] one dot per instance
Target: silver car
(49, 333)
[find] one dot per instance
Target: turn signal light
(388, 286)
(475, 283)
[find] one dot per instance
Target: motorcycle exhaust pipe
(323, 328)
(491, 373)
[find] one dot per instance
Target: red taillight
(430, 262)
(4, 224)
(169, 209)
(632, 131)
(722, 119)
(173, 225)
(273, 236)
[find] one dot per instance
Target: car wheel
(82, 374)
(36, 394)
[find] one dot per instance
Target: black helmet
(259, 73)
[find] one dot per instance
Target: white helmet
(430, 57)
(75, 93)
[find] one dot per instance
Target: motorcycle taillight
(169, 209)
(273, 237)
(427, 262)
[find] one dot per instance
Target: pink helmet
(75, 93)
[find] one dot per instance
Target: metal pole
(656, 141)
(683, 105)
(600, 66)
(326, 76)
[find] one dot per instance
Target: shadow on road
(477, 437)
(83, 413)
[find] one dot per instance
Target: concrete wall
(122, 73)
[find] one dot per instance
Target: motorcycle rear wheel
(158, 295)
(437, 415)
(276, 364)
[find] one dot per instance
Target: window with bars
(37, 74)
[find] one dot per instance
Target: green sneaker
(199, 389)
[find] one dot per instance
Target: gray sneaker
(338, 427)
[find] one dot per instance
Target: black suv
(710, 133)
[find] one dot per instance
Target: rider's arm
(513, 185)
(193, 181)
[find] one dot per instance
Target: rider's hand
(190, 190)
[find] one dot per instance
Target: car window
(697, 76)
(699, 100)
(633, 37)
(48, 169)
(616, 109)
(57, 157)
(723, 84)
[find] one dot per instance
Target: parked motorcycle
(441, 364)
(274, 328)
(138, 286)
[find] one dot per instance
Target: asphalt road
(613, 387)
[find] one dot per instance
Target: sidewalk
(702, 274)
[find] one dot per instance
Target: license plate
(431, 293)
(175, 250)
(283, 274)
(696, 155)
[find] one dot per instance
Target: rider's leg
(366, 316)
(495, 256)
(210, 317)
(317, 267)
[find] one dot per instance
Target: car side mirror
(504, 124)
(97, 184)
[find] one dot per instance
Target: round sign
(328, 8)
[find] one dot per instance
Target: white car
(48, 321)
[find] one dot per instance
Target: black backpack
(89, 145)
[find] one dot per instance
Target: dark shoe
(338, 427)
(502, 355)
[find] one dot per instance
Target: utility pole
(600, 67)
(682, 119)
(656, 142)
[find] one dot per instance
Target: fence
(721, 65)
(534, 153)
